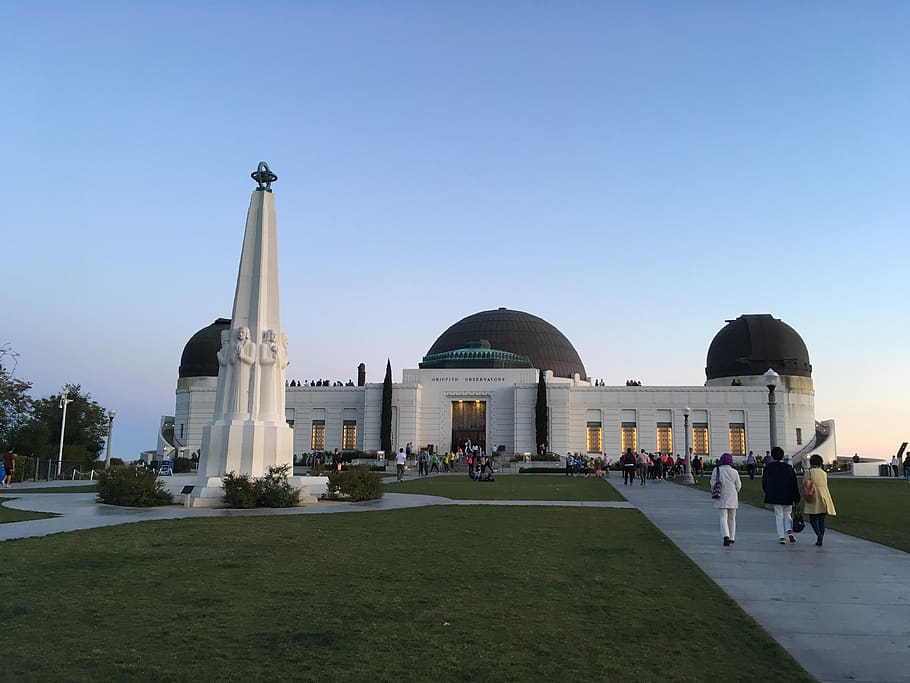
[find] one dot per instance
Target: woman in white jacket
(728, 502)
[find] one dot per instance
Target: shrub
(275, 491)
(182, 465)
(540, 470)
(356, 484)
(130, 486)
(271, 491)
(240, 491)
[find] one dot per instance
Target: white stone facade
(423, 407)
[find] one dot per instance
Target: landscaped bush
(356, 484)
(182, 465)
(271, 491)
(240, 491)
(130, 486)
(275, 491)
(541, 470)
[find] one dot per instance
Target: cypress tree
(385, 428)
(543, 436)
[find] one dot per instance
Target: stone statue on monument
(224, 372)
(273, 359)
(241, 358)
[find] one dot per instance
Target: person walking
(628, 467)
(399, 463)
(895, 465)
(907, 468)
(819, 505)
(728, 501)
(643, 463)
(750, 465)
(9, 464)
(778, 481)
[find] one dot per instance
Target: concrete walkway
(843, 610)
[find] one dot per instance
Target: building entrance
(469, 423)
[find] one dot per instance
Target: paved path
(843, 610)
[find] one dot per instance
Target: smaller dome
(200, 355)
(751, 344)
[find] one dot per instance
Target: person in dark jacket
(778, 481)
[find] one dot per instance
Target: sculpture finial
(264, 176)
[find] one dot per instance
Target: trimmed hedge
(132, 487)
(356, 484)
(271, 491)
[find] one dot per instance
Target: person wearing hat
(728, 500)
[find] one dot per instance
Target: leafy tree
(543, 435)
(86, 428)
(15, 403)
(385, 428)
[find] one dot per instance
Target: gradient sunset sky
(635, 173)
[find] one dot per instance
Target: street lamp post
(772, 379)
(110, 435)
(687, 466)
(64, 402)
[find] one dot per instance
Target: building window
(737, 438)
(317, 441)
(665, 437)
(629, 437)
(700, 438)
(595, 438)
(799, 436)
(349, 435)
(181, 431)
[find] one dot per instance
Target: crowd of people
(645, 466)
(318, 383)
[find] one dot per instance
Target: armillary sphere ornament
(264, 176)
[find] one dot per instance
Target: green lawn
(8, 515)
(510, 487)
(874, 509)
(439, 593)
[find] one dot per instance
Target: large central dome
(514, 332)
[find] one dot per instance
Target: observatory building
(479, 381)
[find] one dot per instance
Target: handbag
(798, 522)
(808, 490)
(718, 486)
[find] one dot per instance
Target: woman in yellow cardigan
(822, 506)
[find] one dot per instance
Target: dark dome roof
(200, 357)
(751, 344)
(515, 332)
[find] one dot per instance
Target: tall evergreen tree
(543, 432)
(385, 428)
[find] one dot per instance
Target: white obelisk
(249, 433)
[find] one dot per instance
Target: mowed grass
(439, 593)
(8, 515)
(874, 509)
(510, 487)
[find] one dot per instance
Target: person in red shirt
(9, 462)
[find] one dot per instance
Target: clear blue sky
(633, 172)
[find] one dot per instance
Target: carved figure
(242, 356)
(273, 359)
(224, 373)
